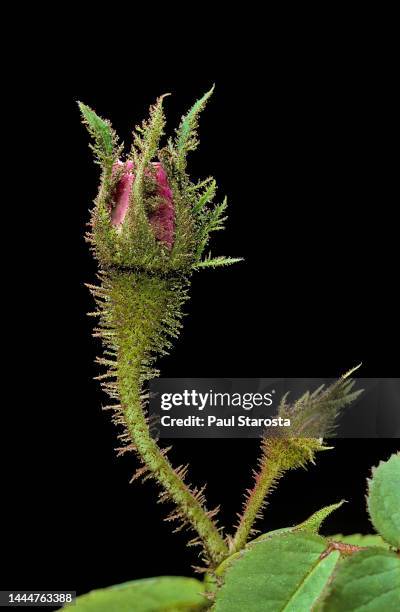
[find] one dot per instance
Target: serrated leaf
(281, 573)
(312, 524)
(358, 539)
(367, 581)
(162, 594)
(384, 499)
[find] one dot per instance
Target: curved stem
(139, 313)
(190, 508)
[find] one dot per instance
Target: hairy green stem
(277, 456)
(264, 479)
(139, 312)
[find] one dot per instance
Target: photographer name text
(232, 421)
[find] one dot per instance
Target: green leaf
(357, 539)
(312, 524)
(186, 136)
(163, 594)
(368, 581)
(281, 573)
(384, 499)
(102, 133)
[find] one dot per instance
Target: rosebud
(149, 215)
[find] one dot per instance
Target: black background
(303, 146)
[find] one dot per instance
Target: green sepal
(215, 262)
(105, 140)
(186, 136)
(316, 413)
(206, 197)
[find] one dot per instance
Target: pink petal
(162, 220)
(122, 193)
